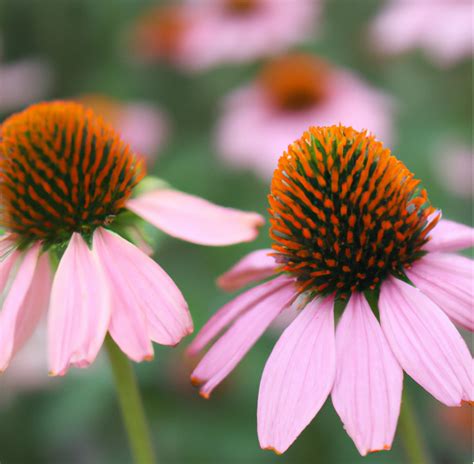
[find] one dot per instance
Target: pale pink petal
(368, 386)
(448, 280)
(194, 219)
(79, 312)
(36, 302)
(450, 236)
(229, 312)
(253, 267)
(18, 317)
(128, 327)
(425, 342)
(227, 352)
(298, 376)
(144, 295)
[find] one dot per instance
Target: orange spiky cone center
(345, 213)
(62, 170)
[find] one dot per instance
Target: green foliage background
(75, 419)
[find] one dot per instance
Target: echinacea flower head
(159, 33)
(443, 29)
(364, 260)
(197, 35)
(63, 171)
(291, 92)
(66, 196)
(345, 213)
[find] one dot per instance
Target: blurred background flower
(246, 30)
(92, 49)
(23, 81)
(454, 168)
(291, 93)
(443, 29)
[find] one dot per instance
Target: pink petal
(227, 352)
(229, 312)
(195, 220)
(447, 279)
(368, 386)
(19, 316)
(253, 267)
(425, 342)
(79, 312)
(450, 236)
(298, 376)
(146, 302)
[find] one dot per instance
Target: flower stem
(131, 405)
(410, 434)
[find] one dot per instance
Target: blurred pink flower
(454, 167)
(292, 93)
(141, 124)
(103, 283)
(442, 28)
(22, 82)
(322, 199)
(204, 33)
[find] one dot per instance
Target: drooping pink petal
(450, 236)
(227, 352)
(425, 342)
(229, 312)
(18, 316)
(146, 302)
(253, 267)
(128, 325)
(36, 302)
(194, 219)
(447, 279)
(298, 376)
(79, 312)
(368, 386)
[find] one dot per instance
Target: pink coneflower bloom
(454, 168)
(22, 82)
(291, 93)
(442, 28)
(200, 34)
(142, 125)
(66, 180)
(350, 225)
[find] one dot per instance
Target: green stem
(410, 433)
(131, 405)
